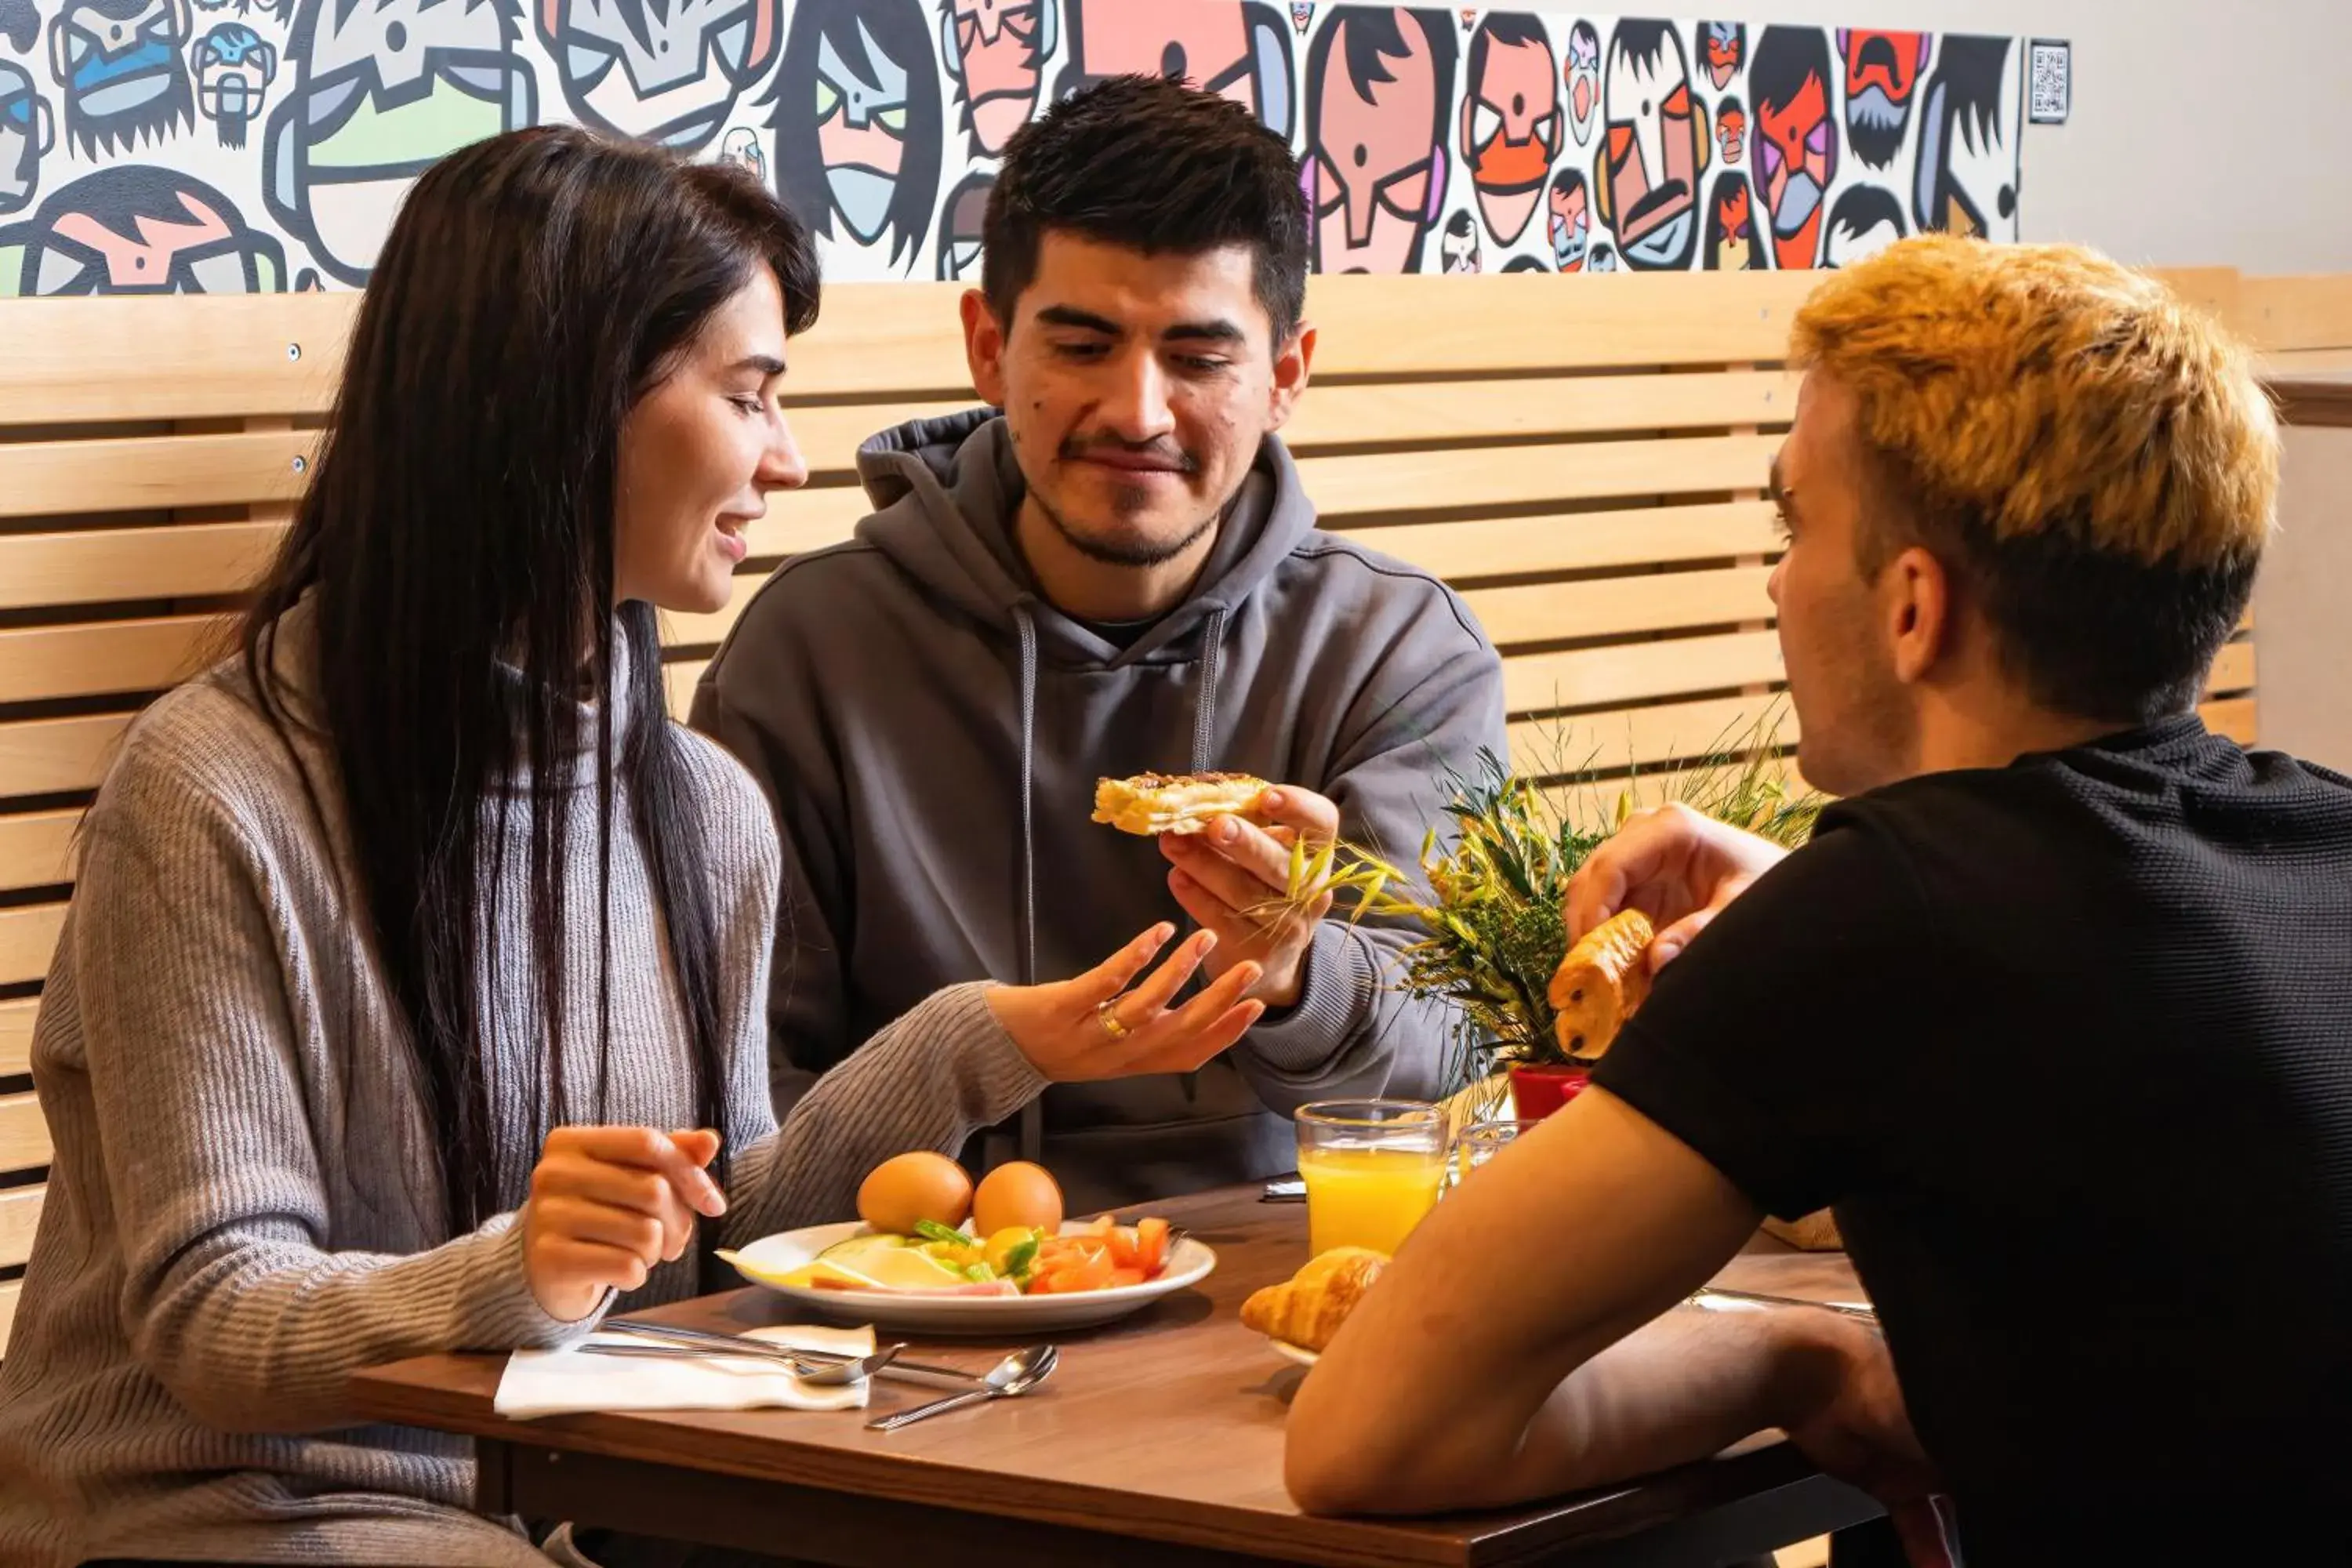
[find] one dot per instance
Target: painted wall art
(225, 145)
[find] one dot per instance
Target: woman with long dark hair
(413, 997)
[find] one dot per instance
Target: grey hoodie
(929, 731)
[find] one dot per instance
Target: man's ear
(1292, 361)
(1921, 623)
(983, 348)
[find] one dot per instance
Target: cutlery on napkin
(563, 1381)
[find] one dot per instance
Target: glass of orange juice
(1372, 1169)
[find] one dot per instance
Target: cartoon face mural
(960, 222)
(1653, 148)
(1302, 15)
(1568, 220)
(1522, 264)
(1731, 129)
(859, 121)
(994, 50)
(1881, 69)
(1731, 242)
(1967, 176)
(382, 89)
(681, 63)
(1581, 71)
(1796, 140)
(1378, 83)
(26, 135)
(235, 67)
(1725, 48)
(20, 24)
(120, 65)
(1865, 221)
(1457, 248)
(1510, 129)
(1236, 49)
(742, 149)
(138, 229)
(1603, 259)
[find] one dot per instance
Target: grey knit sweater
(244, 1208)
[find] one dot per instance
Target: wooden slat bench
(1583, 461)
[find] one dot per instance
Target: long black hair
(533, 287)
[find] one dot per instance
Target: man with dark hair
(1118, 573)
(2055, 1007)
(1375, 164)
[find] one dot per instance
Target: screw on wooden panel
(293, 353)
(301, 465)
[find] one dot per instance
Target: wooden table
(1158, 1441)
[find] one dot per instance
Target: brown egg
(900, 1193)
(1019, 1194)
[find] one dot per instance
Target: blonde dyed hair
(2021, 392)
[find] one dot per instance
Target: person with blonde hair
(2055, 1008)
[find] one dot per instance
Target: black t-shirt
(2069, 1046)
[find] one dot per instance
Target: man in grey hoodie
(1118, 573)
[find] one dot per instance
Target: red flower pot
(1538, 1089)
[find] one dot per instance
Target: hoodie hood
(946, 494)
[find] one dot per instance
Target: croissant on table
(1307, 1308)
(1600, 981)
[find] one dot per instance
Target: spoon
(823, 1374)
(1015, 1375)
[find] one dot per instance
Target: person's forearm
(1683, 1387)
(1680, 1388)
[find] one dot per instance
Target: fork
(680, 1339)
(824, 1374)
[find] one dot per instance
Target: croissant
(1307, 1308)
(1600, 981)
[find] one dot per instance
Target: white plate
(769, 1258)
(1298, 1353)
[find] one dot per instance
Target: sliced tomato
(1151, 1246)
(1122, 1248)
(1083, 1271)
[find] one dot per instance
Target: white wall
(2202, 133)
(2303, 648)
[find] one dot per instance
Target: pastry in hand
(1600, 981)
(1307, 1308)
(1153, 803)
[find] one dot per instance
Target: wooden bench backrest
(1583, 461)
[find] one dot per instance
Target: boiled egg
(1018, 1194)
(901, 1193)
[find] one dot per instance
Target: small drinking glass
(1372, 1168)
(1481, 1142)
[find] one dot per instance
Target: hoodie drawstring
(1204, 705)
(1032, 1115)
(1205, 735)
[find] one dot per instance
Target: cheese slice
(1153, 803)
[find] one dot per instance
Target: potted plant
(1490, 903)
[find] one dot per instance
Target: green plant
(1490, 903)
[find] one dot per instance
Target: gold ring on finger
(1108, 1012)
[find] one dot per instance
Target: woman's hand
(606, 1205)
(1095, 1028)
(1676, 865)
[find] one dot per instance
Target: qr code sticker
(2050, 90)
